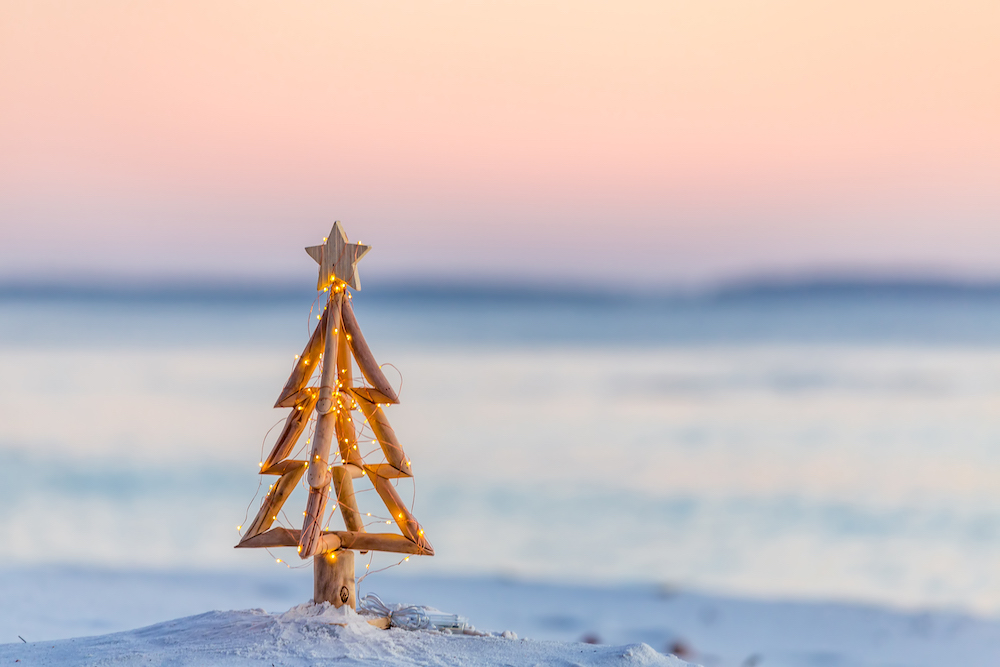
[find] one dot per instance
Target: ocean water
(803, 445)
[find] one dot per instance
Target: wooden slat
(305, 365)
(386, 436)
(363, 354)
(386, 471)
(275, 498)
(348, 504)
(407, 524)
(297, 420)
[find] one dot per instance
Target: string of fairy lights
(364, 434)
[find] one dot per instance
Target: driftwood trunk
(333, 578)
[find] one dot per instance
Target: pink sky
(659, 142)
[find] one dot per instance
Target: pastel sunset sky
(664, 142)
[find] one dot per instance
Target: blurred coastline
(810, 439)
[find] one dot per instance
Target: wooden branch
(346, 399)
(297, 420)
(305, 365)
(366, 360)
(276, 537)
(381, 622)
(328, 541)
(312, 524)
(282, 467)
(385, 471)
(328, 384)
(382, 542)
(407, 524)
(319, 457)
(289, 537)
(346, 501)
(275, 498)
(319, 474)
(333, 540)
(347, 438)
(373, 395)
(344, 370)
(394, 453)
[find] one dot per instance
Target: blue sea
(789, 442)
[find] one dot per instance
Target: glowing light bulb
(407, 558)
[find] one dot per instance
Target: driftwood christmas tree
(336, 340)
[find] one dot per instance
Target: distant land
(804, 288)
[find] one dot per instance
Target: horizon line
(213, 290)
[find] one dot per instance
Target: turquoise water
(838, 446)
